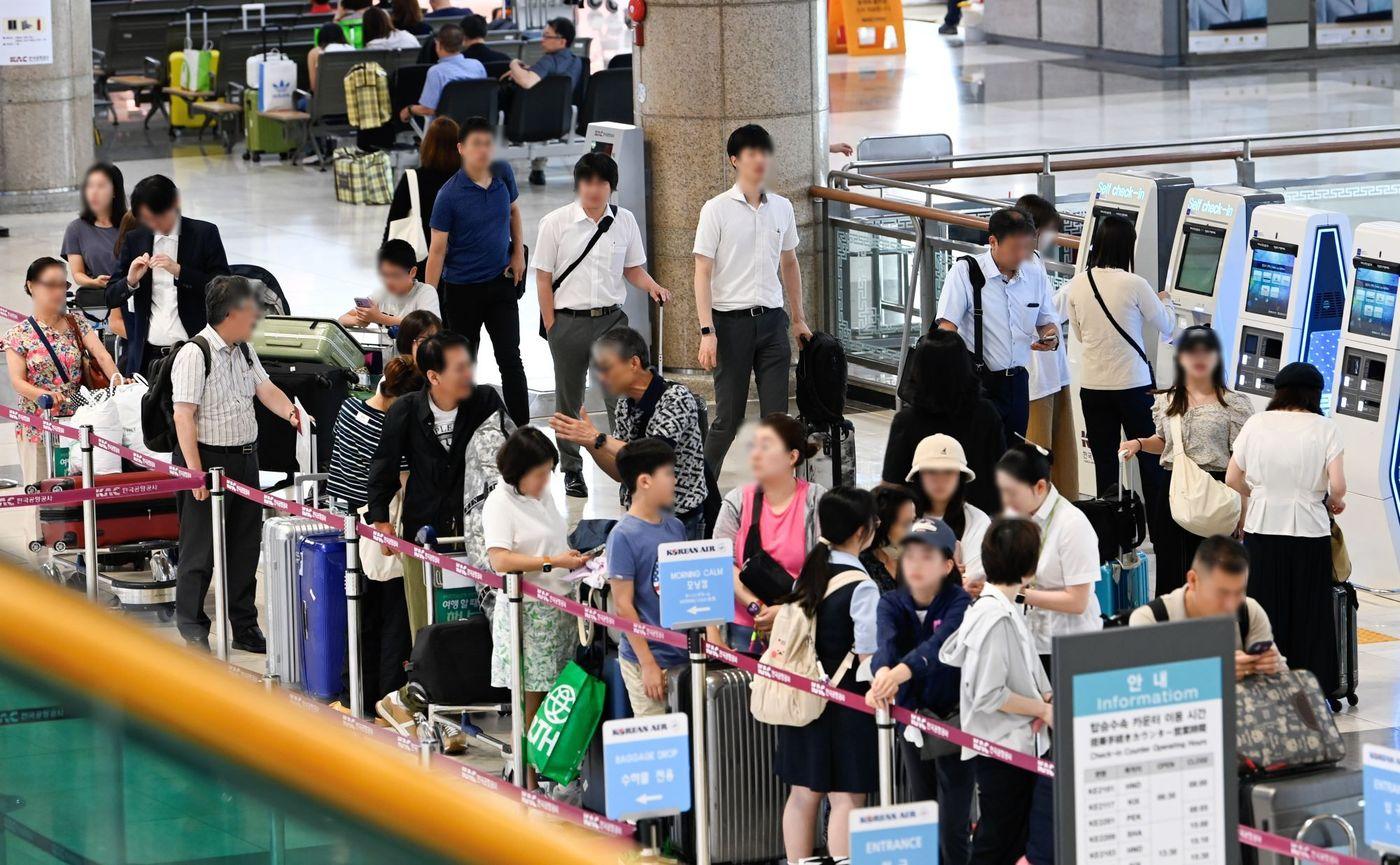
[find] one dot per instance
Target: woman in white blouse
(1287, 466)
(1116, 317)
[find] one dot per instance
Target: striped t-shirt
(358, 429)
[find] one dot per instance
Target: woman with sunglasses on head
(1210, 416)
(44, 354)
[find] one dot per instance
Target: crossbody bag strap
(976, 279)
(603, 225)
(1151, 375)
(57, 364)
(413, 193)
(752, 541)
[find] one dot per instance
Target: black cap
(1196, 337)
(933, 532)
(1299, 374)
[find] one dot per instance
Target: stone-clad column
(707, 67)
(46, 118)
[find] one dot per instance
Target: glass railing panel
(871, 283)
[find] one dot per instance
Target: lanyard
(1045, 529)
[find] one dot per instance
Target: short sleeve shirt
(529, 526)
(97, 246)
(746, 244)
(631, 556)
(675, 419)
(477, 222)
(444, 72)
(597, 280)
(564, 62)
(421, 297)
(1069, 556)
(1284, 456)
(39, 367)
(1012, 309)
(225, 395)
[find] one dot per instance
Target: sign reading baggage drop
(1380, 783)
(647, 766)
(1144, 745)
(696, 583)
(26, 33)
(895, 835)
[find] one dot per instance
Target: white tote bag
(1200, 504)
(410, 228)
(99, 410)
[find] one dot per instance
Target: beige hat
(940, 453)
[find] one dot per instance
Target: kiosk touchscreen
(1152, 201)
(1208, 261)
(1364, 404)
(623, 142)
(1294, 295)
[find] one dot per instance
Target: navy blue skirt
(837, 753)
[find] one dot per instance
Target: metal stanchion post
(89, 513)
(220, 576)
(884, 726)
(354, 593)
(700, 772)
(46, 410)
(517, 677)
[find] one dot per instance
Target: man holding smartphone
(1215, 586)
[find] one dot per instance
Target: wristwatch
(706, 330)
(1020, 597)
(753, 608)
(599, 441)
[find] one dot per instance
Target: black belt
(1003, 373)
(595, 312)
(750, 312)
(250, 448)
(160, 350)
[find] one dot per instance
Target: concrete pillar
(707, 67)
(46, 118)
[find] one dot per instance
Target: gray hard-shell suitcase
(1283, 805)
(281, 543)
(318, 340)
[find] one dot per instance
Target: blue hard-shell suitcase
(1121, 589)
(324, 640)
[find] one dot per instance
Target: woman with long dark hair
(408, 16)
(835, 757)
(90, 241)
(896, 508)
(942, 394)
(1210, 416)
(382, 35)
(437, 162)
(1117, 318)
(1287, 466)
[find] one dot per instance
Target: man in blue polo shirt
(476, 257)
(451, 66)
(558, 59)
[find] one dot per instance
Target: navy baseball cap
(933, 532)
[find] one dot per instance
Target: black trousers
(1004, 798)
(242, 530)
(1110, 417)
(954, 14)
(1010, 392)
(385, 642)
(466, 307)
(749, 347)
(948, 780)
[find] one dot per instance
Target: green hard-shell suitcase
(318, 340)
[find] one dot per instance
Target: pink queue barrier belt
(101, 494)
(1247, 834)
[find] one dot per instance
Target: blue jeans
(694, 523)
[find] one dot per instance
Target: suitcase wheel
(31, 488)
(165, 612)
(1334, 705)
(257, 157)
(60, 546)
(1352, 700)
(36, 546)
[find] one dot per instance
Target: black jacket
(434, 494)
(201, 258)
(978, 430)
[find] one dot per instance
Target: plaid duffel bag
(362, 177)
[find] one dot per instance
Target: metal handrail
(941, 192)
(906, 208)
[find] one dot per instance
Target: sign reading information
(647, 763)
(1149, 762)
(1380, 781)
(895, 835)
(696, 583)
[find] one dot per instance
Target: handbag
(1341, 558)
(410, 228)
(1282, 724)
(761, 574)
(934, 747)
(603, 225)
(564, 726)
(1200, 504)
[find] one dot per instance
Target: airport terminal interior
(1247, 150)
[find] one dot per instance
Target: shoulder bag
(760, 572)
(977, 280)
(409, 228)
(1200, 504)
(90, 373)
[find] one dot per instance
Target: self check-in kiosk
(623, 142)
(1364, 404)
(1208, 262)
(1294, 295)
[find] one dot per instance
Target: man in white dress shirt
(586, 254)
(745, 263)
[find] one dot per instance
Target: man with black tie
(163, 266)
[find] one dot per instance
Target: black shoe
(251, 640)
(948, 30)
(536, 177)
(574, 486)
(200, 644)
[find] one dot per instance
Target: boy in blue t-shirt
(648, 469)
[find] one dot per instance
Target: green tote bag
(564, 726)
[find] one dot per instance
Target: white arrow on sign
(695, 611)
(648, 798)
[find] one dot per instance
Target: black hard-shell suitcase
(321, 388)
(452, 663)
(1119, 517)
(1344, 606)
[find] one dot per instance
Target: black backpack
(1159, 614)
(821, 380)
(158, 405)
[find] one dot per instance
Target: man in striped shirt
(214, 381)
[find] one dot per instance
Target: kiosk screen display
(1270, 277)
(1200, 258)
(1373, 298)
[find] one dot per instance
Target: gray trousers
(747, 346)
(571, 346)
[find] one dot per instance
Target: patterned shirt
(225, 395)
(675, 418)
(39, 369)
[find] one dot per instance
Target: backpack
(821, 380)
(481, 477)
(1159, 614)
(792, 647)
(157, 403)
(367, 96)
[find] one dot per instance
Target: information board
(895, 835)
(646, 766)
(26, 32)
(696, 583)
(1380, 784)
(1144, 745)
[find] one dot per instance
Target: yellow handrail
(84, 649)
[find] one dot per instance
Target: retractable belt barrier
(531, 799)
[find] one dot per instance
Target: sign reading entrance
(647, 763)
(895, 835)
(696, 583)
(1380, 781)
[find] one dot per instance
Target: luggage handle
(189, 27)
(261, 8)
(313, 478)
(1337, 819)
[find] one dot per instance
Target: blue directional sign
(696, 583)
(1380, 783)
(647, 763)
(895, 835)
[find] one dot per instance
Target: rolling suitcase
(834, 464)
(324, 640)
(318, 340)
(126, 521)
(263, 135)
(451, 661)
(1283, 805)
(193, 69)
(271, 68)
(1118, 517)
(321, 389)
(1344, 606)
(281, 545)
(1123, 584)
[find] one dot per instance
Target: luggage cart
(441, 721)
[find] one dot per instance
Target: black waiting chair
(496, 68)
(609, 97)
(542, 113)
(471, 98)
(620, 61)
(406, 85)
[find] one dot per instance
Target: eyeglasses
(548, 35)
